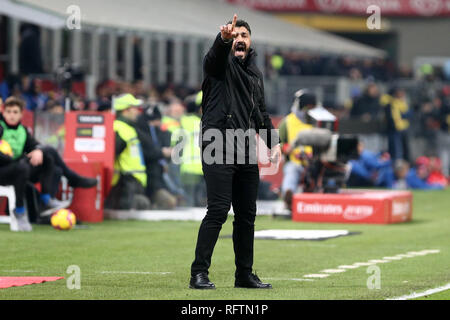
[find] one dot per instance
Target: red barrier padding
(90, 137)
(87, 204)
(353, 206)
(3, 206)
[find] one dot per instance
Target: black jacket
(233, 92)
(30, 143)
(366, 105)
(155, 169)
(149, 151)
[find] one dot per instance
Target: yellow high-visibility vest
(294, 125)
(398, 108)
(191, 156)
(131, 160)
(170, 124)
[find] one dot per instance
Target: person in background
(191, 164)
(397, 113)
(129, 181)
(15, 173)
(296, 158)
(401, 169)
(436, 176)
(30, 57)
(367, 107)
(171, 118)
(74, 179)
(159, 187)
(171, 122)
(30, 158)
(417, 176)
(370, 169)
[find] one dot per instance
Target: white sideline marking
(418, 253)
(333, 270)
(325, 273)
(379, 261)
(421, 294)
(348, 267)
(363, 264)
(134, 272)
(431, 251)
(392, 258)
(316, 275)
(405, 255)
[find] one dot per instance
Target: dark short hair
(307, 99)
(13, 101)
(242, 23)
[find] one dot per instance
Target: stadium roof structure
(199, 18)
(31, 15)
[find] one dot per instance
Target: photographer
(296, 157)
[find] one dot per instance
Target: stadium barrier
(89, 150)
(353, 206)
(87, 204)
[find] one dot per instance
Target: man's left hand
(275, 154)
(36, 157)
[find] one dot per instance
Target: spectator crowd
(421, 114)
(404, 113)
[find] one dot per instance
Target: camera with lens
(327, 171)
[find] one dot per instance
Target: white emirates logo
(351, 212)
(318, 208)
(400, 208)
(357, 212)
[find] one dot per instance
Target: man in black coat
(367, 107)
(233, 100)
(158, 185)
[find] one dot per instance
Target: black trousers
(16, 174)
(59, 169)
(19, 172)
(228, 184)
(43, 173)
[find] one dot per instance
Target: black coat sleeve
(263, 121)
(120, 145)
(150, 151)
(30, 144)
(216, 59)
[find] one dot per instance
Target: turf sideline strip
(327, 272)
(421, 294)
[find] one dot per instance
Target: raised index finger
(233, 24)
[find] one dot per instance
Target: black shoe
(82, 182)
(251, 281)
(201, 281)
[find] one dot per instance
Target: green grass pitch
(161, 253)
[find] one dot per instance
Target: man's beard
(241, 48)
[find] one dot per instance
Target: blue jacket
(369, 163)
(415, 182)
